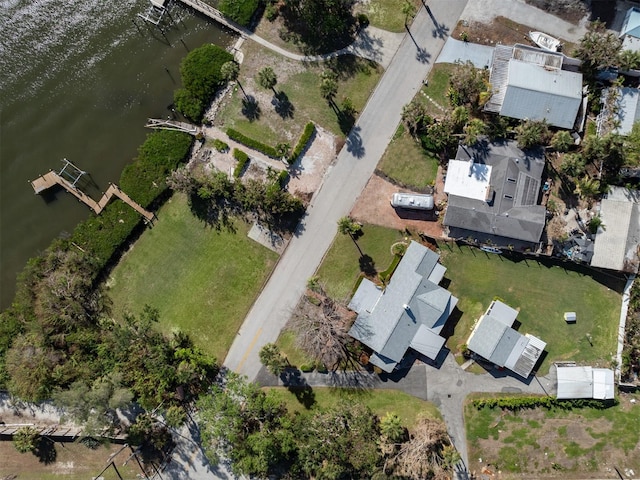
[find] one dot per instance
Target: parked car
(412, 200)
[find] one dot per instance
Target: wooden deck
(52, 178)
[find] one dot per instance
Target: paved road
(343, 183)
(446, 385)
(484, 11)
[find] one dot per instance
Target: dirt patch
(307, 173)
(500, 30)
(536, 444)
(374, 206)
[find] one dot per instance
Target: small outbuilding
(494, 339)
(570, 317)
(585, 382)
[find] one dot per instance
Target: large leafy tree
(321, 25)
(246, 424)
(339, 442)
(466, 85)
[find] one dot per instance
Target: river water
(78, 79)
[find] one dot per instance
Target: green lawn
(542, 295)
(387, 14)
(540, 442)
(341, 266)
(287, 343)
(301, 84)
(407, 164)
(381, 402)
(437, 87)
(203, 281)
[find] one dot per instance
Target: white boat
(545, 41)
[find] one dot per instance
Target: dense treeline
(57, 338)
(201, 77)
(214, 198)
(261, 437)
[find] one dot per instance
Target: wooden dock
(215, 14)
(52, 178)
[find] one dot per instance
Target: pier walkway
(172, 125)
(52, 178)
(371, 43)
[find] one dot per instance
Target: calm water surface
(78, 79)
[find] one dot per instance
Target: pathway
(484, 11)
(343, 183)
(447, 386)
(626, 296)
(371, 43)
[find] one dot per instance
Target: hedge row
(251, 143)
(521, 403)
(308, 132)
(242, 159)
(220, 146)
(144, 181)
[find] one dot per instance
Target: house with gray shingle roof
(493, 191)
(494, 339)
(409, 313)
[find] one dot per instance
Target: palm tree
(328, 89)
(272, 358)
(230, 71)
(473, 130)
(267, 78)
(587, 187)
(348, 226)
(409, 10)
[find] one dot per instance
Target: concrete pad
(456, 50)
(266, 237)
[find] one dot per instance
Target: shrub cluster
(283, 176)
(308, 132)
(201, 77)
(220, 146)
(240, 11)
(144, 181)
(242, 159)
(521, 403)
(251, 143)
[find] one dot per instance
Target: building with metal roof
(529, 83)
(616, 244)
(409, 313)
(493, 191)
(622, 114)
(585, 382)
(631, 24)
(494, 339)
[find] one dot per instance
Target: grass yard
(407, 164)
(341, 266)
(542, 442)
(437, 87)
(203, 281)
(287, 343)
(542, 294)
(387, 14)
(380, 402)
(68, 461)
(301, 84)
